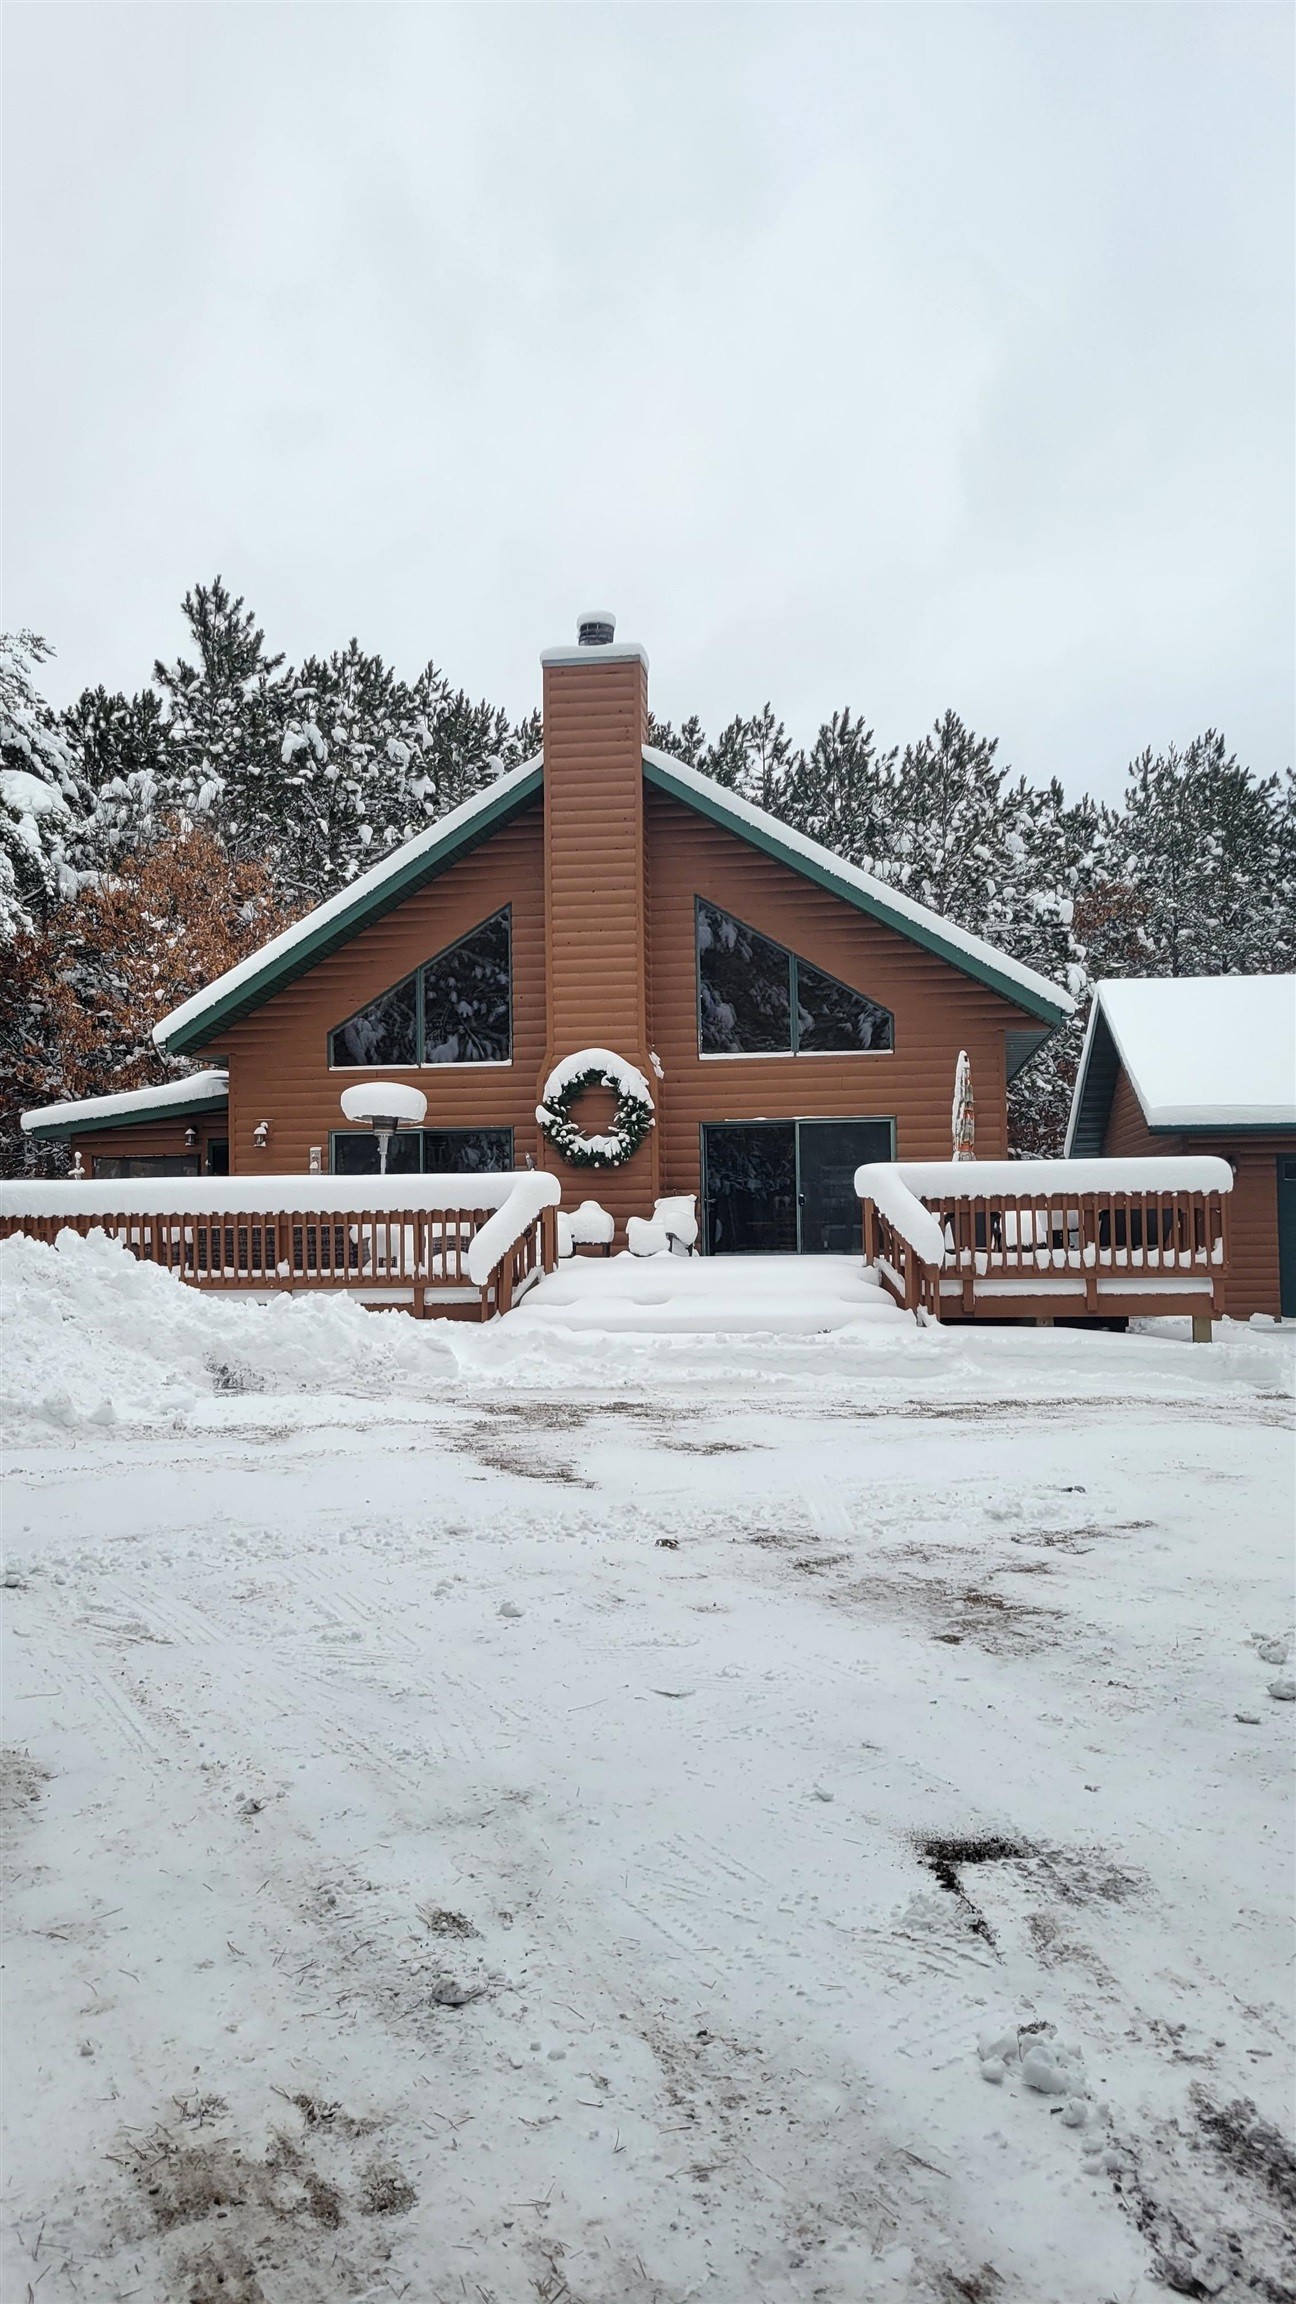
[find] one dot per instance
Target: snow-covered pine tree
(837, 791)
(123, 748)
(1210, 849)
(43, 796)
(687, 742)
(225, 720)
(754, 758)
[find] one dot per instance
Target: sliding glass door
(783, 1187)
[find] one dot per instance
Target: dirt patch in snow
(1214, 2196)
(21, 1780)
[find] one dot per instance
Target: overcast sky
(901, 355)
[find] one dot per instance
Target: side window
(755, 998)
(386, 1032)
(456, 1009)
(832, 1019)
(467, 998)
(744, 988)
(431, 1151)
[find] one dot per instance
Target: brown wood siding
(594, 718)
(1253, 1281)
(278, 1056)
(1128, 1136)
(152, 1140)
(937, 1009)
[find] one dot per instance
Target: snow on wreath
(631, 1121)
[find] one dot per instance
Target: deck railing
(1053, 1239)
(416, 1259)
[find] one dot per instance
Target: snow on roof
(129, 1103)
(1206, 1051)
(891, 905)
(288, 954)
(357, 898)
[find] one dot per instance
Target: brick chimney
(595, 715)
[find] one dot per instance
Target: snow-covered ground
(548, 1812)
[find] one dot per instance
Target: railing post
(549, 1239)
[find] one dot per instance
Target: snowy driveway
(509, 1828)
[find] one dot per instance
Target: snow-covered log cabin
(791, 1015)
(1191, 1064)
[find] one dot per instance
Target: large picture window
(425, 1151)
(456, 1009)
(757, 999)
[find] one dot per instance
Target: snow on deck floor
(708, 1295)
(481, 1806)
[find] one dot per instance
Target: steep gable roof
(285, 957)
(1200, 1052)
(1018, 983)
(266, 971)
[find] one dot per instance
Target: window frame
(421, 1063)
(779, 1055)
(485, 1127)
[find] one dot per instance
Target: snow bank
(90, 1335)
(532, 1191)
(882, 1183)
(259, 1195)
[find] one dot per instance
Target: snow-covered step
(708, 1295)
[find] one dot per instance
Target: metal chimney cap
(595, 628)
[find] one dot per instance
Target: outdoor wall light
(261, 1135)
(191, 1139)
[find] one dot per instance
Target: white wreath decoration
(596, 1068)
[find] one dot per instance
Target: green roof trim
(814, 863)
(198, 1022)
(145, 1116)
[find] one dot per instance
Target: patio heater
(386, 1106)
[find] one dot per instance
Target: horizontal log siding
(937, 1010)
(594, 717)
(1128, 1136)
(1253, 1281)
(149, 1141)
(1252, 1216)
(278, 1056)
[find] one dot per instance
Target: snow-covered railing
(1049, 1238)
(434, 1243)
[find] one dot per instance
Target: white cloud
(904, 356)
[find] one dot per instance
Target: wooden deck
(1064, 1254)
(412, 1260)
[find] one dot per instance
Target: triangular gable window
(456, 1009)
(757, 999)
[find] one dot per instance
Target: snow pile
(384, 1100)
(677, 1214)
(882, 1183)
(90, 1335)
(588, 1226)
(645, 1237)
(531, 1192)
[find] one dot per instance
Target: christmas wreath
(631, 1121)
